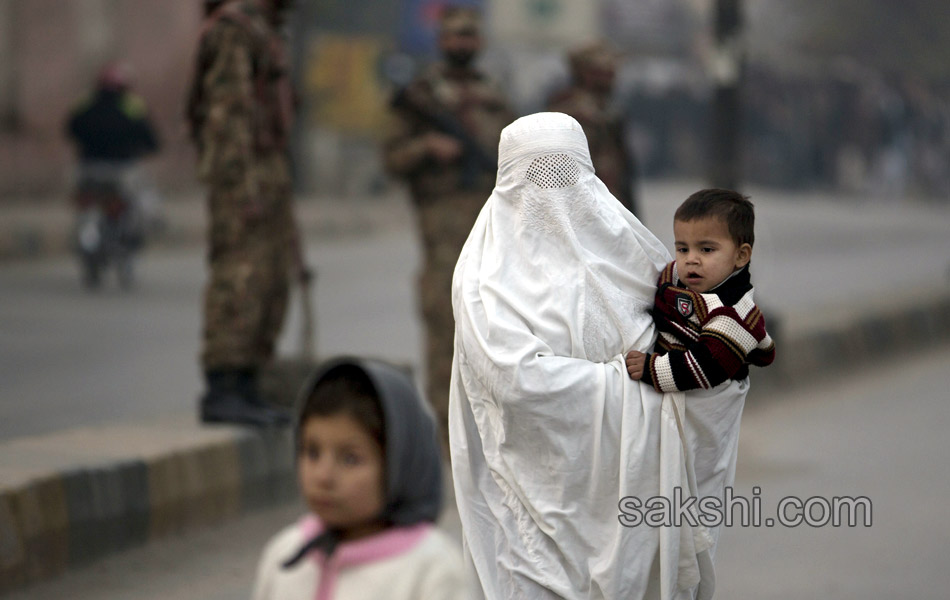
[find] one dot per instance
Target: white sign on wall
(544, 22)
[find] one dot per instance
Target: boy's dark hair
(735, 210)
(347, 390)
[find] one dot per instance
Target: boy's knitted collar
(730, 290)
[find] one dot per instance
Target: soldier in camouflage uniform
(588, 99)
(443, 140)
(240, 114)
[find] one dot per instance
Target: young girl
(370, 472)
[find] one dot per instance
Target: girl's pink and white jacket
(418, 562)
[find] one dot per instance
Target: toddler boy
(709, 327)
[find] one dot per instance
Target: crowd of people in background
(847, 130)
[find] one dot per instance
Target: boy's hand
(635, 361)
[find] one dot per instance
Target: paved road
(877, 433)
(880, 433)
(69, 358)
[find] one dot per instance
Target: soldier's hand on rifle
(443, 148)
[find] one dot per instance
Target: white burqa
(548, 433)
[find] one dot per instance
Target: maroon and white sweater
(705, 339)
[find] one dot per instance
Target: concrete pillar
(727, 66)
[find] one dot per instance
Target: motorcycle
(109, 228)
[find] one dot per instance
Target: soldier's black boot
(248, 388)
(232, 398)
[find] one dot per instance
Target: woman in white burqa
(548, 433)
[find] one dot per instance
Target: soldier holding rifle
(443, 141)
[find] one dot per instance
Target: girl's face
(342, 474)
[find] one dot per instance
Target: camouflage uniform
(240, 111)
(603, 125)
(447, 196)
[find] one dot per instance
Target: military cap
(211, 5)
(459, 19)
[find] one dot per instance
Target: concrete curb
(59, 517)
(831, 342)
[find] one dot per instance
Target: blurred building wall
(340, 47)
(348, 53)
(50, 52)
(543, 23)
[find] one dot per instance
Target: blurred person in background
(442, 140)
(112, 124)
(588, 99)
(112, 132)
(240, 112)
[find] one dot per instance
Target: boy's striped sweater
(705, 339)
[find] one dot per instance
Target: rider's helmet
(113, 77)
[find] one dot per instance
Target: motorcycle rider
(111, 130)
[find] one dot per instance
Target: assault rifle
(475, 160)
